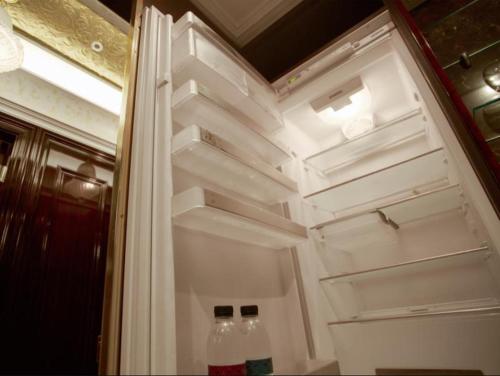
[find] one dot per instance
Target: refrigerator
(337, 198)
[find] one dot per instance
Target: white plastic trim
(148, 322)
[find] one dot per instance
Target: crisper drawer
(196, 56)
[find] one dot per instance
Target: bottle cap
(223, 311)
(249, 310)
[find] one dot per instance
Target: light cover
(354, 118)
(59, 72)
(357, 126)
(11, 50)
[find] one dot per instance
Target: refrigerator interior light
(348, 106)
(357, 127)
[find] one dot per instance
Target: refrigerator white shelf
(190, 20)
(424, 285)
(193, 103)
(411, 267)
(424, 313)
(395, 213)
(404, 128)
(198, 55)
(427, 168)
(209, 212)
(203, 154)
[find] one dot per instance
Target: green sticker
(259, 367)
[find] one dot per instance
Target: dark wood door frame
(21, 192)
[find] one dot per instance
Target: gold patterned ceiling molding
(71, 28)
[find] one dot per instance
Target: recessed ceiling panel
(242, 20)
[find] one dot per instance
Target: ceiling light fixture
(11, 50)
(49, 67)
(97, 46)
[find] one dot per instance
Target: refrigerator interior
(279, 204)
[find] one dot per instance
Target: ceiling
(244, 20)
(273, 35)
(69, 27)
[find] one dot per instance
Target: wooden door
(54, 258)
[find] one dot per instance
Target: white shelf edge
(197, 198)
(189, 19)
(477, 310)
(382, 207)
(195, 88)
(377, 129)
(230, 151)
(484, 249)
(372, 173)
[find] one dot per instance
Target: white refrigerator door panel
(148, 322)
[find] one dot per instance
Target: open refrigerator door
(336, 199)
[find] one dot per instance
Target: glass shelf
(404, 128)
(487, 310)
(427, 168)
(378, 227)
(209, 212)
(467, 29)
(412, 267)
(193, 103)
(198, 55)
(205, 155)
(426, 285)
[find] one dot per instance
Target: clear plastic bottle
(224, 347)
(256, 345)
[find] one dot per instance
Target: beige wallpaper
(69, 27)
(31, 92)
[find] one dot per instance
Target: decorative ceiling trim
(56, 126)
(243, 31)
(69, 28)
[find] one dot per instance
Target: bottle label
(230, 370)
(259, 367)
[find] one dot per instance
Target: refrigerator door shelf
(193, 103)
(203, 154)
(425, 169)
(405, 128)
(195, 57)
(209, 212)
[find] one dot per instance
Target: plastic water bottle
(224, 350)
(256, 343)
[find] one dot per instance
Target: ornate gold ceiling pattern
(70, 28)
